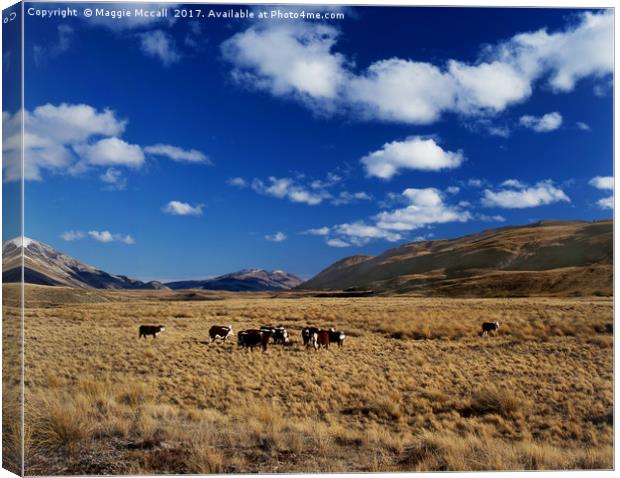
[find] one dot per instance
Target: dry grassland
(414, 388)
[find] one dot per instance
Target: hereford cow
(278, 334)
(252, 338)
(307, 333)
(488, 327)
(321, 339)
(336, 336)
(220, 332)
(153, 330)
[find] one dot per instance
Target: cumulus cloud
(542, 124)
(346, 197)
(114, 179)
(72, 235)
(422, 208)
(287, 188)
(513, 183)
(160, 45)
(522, 196)
(178, 208)
(425, 206)
(319, 231)
(299, 61)
(337, 243)
(605, 183)
(110, 152)
(237, 182)
(413, 153)
(71, 138)
(178, 154)
(277, 237)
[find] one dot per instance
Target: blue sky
(170, 149)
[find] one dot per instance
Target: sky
(185, 148)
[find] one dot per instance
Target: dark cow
(336, 336)
(321, 339)
(153, 330)
(488, 327)
(278, 334)
(307, 333)
(220, 332)
(252, 338)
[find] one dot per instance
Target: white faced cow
(220, 332)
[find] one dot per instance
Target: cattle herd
(313, 337)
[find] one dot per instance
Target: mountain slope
(44, 265)
(245, 280)
(549, 257)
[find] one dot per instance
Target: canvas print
(306, 238)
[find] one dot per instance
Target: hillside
(545, 258)
(247, 280)
(44, 265)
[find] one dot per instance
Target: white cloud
(114, 179)
(288, 59)
(109, 152)
(453, 190)
(513, 183)
(237, 182)
(542, 124)
(72, 235)
(178, 208)
(282, 188)
(425, 206)
(583, 126)
(319, 231)
(161, 45)
(346, 197)
(337, 243)
(298, 60)
(107, 236)
(486, 218)
(475, 182)
(542, 193)
(277, 237)
(72, 139)
(603, 182)
(360, 233)
(413, 153)
(606, 203)
(178, 154)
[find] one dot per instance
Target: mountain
(246, 280)
(44, 265)
(545, 258)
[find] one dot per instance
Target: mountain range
(44, 265)
(545, 258)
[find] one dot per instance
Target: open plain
(414, 387)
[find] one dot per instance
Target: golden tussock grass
(414, 387)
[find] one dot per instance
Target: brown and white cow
(252, 338)
(153, 330)
(278, 334)
(321, 339)
(220, 332)
(488, 327)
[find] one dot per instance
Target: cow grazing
(278, 334)
(337, 337)
(153, 330)
(321, 339)
(307, 333)
(488, 327)
(252, 338)
(220, 332)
